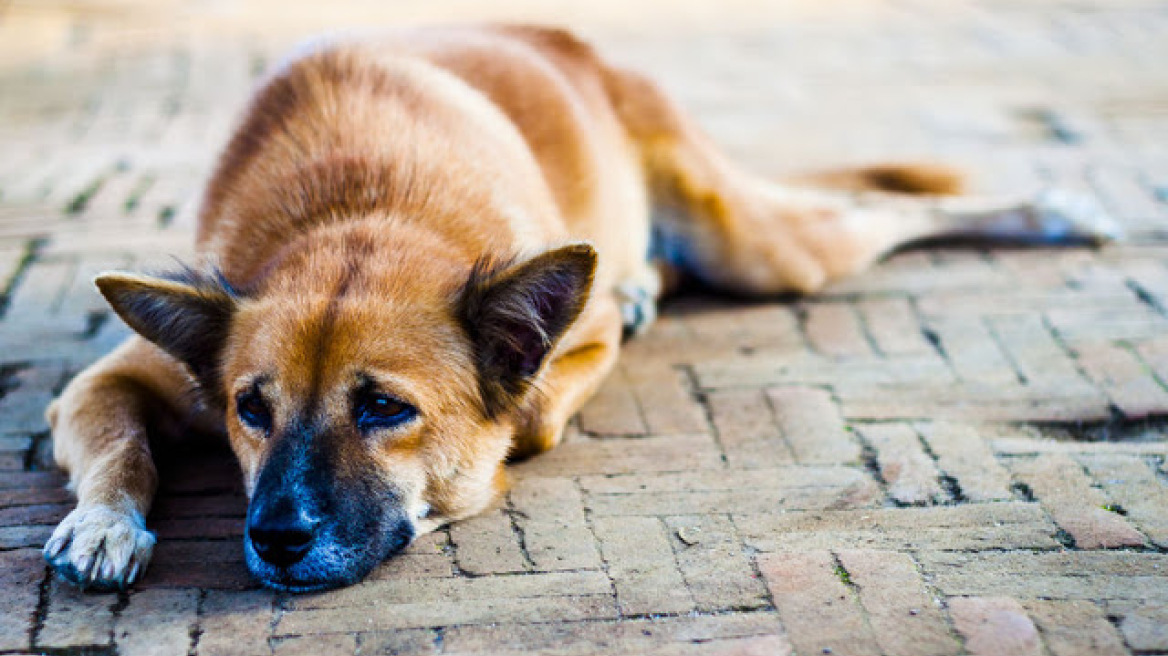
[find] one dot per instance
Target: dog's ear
(187, 315)
(515, 314)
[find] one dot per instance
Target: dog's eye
(380, 411)
(253, 411)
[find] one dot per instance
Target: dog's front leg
(100, 438)
(571, 378)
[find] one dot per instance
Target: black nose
(282, 539)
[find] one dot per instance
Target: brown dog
(404, 238)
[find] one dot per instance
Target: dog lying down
(409, 234)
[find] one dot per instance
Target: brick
(1066, 492)
(1013, 445)
(21, 571)
(962, 454)
(716, 570)
(39, 293)
(76, 618)
(1145, 628)
(614, 409)
(641, 563)
(314, 645)
(1055, 575)
(428, 556)
(1075, 628)
(894, 326)
(442, 613)
(906, 619)
(666, 403)
(606, 636)
(810, 369)
(625, 455)
(1041, 361)
(1132, 484)
(157, 623)
(763, 327)
(746, 428)
(402, 641)
(909, 472)
(16, 537)
(995, 626)
(550, 512)
(1154, 353)
(236, 623)
(1086, 325)
(969, 527)
(752, 490)
(818, 610)
(915, 272)
(487, 544)
(1123, 377)
(812, 425)
(1018, 305)
(22, 410)
(834, 329)
(973, 403)
(406, 591)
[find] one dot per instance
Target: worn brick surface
(819, 610)
(960, 452)
(996, 626)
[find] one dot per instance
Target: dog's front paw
(100, 548)
(638, 308)
(1066, 215)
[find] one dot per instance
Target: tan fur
(367, 184)
(898, 178)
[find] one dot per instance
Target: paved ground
(959, 453)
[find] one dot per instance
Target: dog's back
(502, 140)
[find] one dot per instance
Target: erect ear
(187, 315)
(515, 315)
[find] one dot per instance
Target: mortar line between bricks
(32, 248)
(197, 627)
(936, 595)
(1073, 356)
(866, 331)
(932, 337)
(773, 415)
(1109, 503)
(597, 545)
(870, 461)
(702, 398)
(949, 483)
(1147, 368)
(693, 602)
(1027, 493)
(42, 608)
(1006, 353)
(517, 531)
(751, 554)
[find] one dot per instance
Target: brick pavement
(960, 452)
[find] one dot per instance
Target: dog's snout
(282, 540)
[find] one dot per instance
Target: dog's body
(430, 246)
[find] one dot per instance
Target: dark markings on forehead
(356, 249)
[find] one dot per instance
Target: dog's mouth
(329, 559)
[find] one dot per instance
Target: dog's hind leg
(99, 437)
(739, 231)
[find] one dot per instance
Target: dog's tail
(930, 179)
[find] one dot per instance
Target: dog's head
(366, 404)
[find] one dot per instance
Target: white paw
(100, 548)
(638, 308)
(1063, 214)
